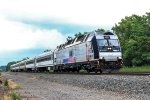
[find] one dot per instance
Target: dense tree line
(9, 64)
(2, 68)
(134, 35)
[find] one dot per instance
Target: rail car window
(30, 62)
(45, 59)
(22, 64)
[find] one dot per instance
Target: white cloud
(16, 36)
(91, 12)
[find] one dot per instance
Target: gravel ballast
(41, 86)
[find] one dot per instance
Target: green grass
(15, 96)
(51, 71)
(12, 96)
(135, 69)
(83, 71)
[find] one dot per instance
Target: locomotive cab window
(71, 53)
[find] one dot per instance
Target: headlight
(119, 57)
(101, 58)
(109, 48)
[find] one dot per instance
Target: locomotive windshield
(104, 44)
(113, 42)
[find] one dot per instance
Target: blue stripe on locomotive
(65, 60)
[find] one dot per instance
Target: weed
(12, 96)
(6, 83)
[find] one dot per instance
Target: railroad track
(104, 73)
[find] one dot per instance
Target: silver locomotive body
(92, 52)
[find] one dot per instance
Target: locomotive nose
(110, 56)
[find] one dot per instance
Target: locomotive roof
(74, 41)
(102, 35)
(87, 37)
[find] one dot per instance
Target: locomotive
(93, 52)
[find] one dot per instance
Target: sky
(28, 27)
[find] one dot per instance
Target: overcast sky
(27, 27)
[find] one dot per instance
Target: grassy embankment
(11, 95)
(11, 86)
(135, 69)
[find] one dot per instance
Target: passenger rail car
(95, 51)
(41, 62)
(44, 61)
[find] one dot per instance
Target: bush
(15, 96)
(6, 83)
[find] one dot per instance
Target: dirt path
(35, 88)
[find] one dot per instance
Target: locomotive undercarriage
(37, 69)
(68, 68)
(93, 66)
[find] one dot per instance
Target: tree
(134, 35)
(69, 38)
(78, 34)
(47, 50)
(100, 30)
(85, 33)
(9, 64)
(25, 58)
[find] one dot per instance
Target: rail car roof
(44, 54)
(30, 59)
(21, 62)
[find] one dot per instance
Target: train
(93, 52)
